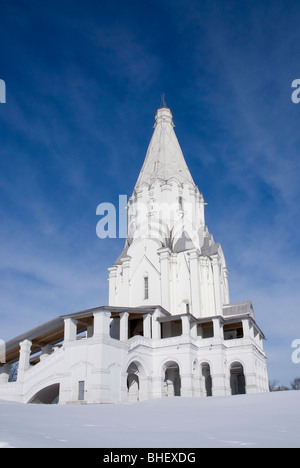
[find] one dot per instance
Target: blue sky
(83, 82)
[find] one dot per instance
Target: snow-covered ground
(263, 420)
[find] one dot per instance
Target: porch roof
(52, 332)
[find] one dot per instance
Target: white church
(169, 328)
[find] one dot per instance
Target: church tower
(170, 258)
(169, 328)
(171, 263)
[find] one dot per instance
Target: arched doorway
(133, 383)
(237, 379)
(47, 396)
(172, 381)
(206, 380)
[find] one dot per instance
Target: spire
(164, 158)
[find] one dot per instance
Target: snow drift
(250, 421)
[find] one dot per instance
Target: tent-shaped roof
(164, 158)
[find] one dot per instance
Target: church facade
(169, 328)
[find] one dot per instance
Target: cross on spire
(163, 102)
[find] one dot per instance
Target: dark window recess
(205, 330)
(136, 327)
(233, 331)
(171, 329)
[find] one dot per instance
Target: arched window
(172, 381)
(237, 379)
(206, 379)
(133, 383)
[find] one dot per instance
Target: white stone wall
(103, 364)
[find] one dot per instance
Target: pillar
(218, 329)
(226, 286)
(70, 330)
(156, 327)
(126, 283)
(124, 316)
(217, 284)
(204, 269)
(164, 257)
(173, 284)
(112, 285)
(186, 377)
(247, 330)
(25, 349)
(101, 322)
(89, 331)
(186, 385)
(147, 325)
(219, 382)
(195, 283)
(157, 386)
(194, 329)
(185, 320)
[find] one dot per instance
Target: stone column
(250, 376)
(195, 283)
(207, 304)
(186, 377)
(101, 322)
(157, 386)
(89, 331)
(147, 325)
(247, 330)
(70, 330)
(194, 329)
(126, 283)
(112, 285)
(218, 328)
(25, 349)
(217, 284)
(156, 326)
(164, 257)
(186, 329)
(124, 326)
(226, 286)
(186, 385)
(173, 284)
(219, 381)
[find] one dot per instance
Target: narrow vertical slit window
(146, 287)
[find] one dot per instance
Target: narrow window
(146, 287)
(187, 308)
(180, 203)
